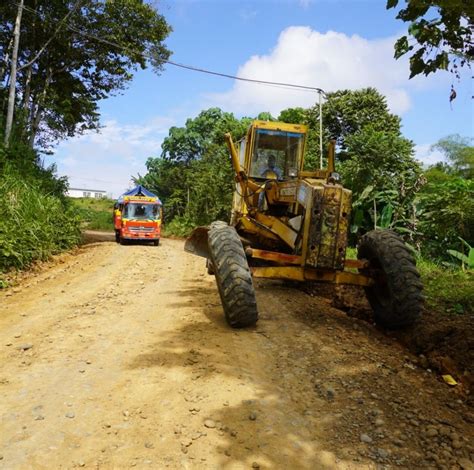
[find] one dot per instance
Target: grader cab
(288, 223)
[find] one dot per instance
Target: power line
(263, 82)
(184, 66)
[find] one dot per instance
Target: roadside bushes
(447, 289)
(34, 223)
(446, 212)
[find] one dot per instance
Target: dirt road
(119, 357)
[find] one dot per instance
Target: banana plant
(379, 206)
(466, 260)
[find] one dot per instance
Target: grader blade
(197, 242)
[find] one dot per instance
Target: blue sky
(332, 44)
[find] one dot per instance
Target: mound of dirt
(442, 342)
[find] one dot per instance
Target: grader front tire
(233, 277)
(396, 296)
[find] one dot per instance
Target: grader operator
(288, 223)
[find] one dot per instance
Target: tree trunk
(26, 101)
(26, 95)
(36, 114)
(28, 108)
(29, 72)
(11, 94)
(375, 215)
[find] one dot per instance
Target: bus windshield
(140, 211)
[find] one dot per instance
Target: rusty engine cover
(327, 238)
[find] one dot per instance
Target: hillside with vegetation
(36, 220)
(53, 73)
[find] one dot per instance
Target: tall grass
(447, 289)
(33, 224)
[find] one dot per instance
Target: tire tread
(405, 303)
(233, 277)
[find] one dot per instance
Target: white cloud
(331, 61)
(110, 158)
(426, 156)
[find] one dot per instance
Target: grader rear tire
(396, 297)
(233, 277)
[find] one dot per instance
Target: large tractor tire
(396, 296)
(233, 277)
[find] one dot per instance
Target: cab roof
(280, 126)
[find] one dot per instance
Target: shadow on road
(301, 388)
(94, 236)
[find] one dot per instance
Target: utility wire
(177, 64)
(263, 82)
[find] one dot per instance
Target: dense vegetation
(447, 289)
(66, 62)
(58, 59)
(35, 219)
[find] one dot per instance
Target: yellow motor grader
(292, 224)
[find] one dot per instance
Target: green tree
(265, 116)
(59, 86)
(169, 180)
(294, 116)
(446, 212)
(459, 153)
(374, 159)
(380, 170)
(345, 112)
(440, 35)
(445, 204)
(192, 141)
